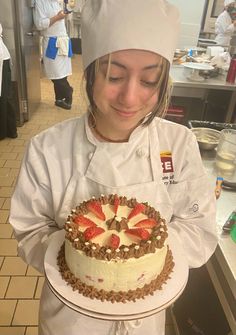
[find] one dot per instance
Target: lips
(124, 113)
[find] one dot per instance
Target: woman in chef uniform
(225, 23)
(119, 145)
(49, 18)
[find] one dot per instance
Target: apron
(57, 318)
(57, 68)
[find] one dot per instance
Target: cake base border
(121, 296)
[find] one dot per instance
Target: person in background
(49, 18)
(7, 111)
(226, 23)
(118, 145)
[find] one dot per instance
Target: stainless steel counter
(222, 265)
(185, 87)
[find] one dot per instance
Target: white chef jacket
(4, 55)
(224, 28)
(59, 67)
(65, 165)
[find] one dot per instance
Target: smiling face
(126, 90)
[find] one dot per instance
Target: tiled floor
(20, 284)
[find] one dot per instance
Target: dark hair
(164, 95)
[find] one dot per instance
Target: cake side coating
(117, 275)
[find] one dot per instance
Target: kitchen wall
(191, 12)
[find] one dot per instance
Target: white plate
(198, 66)
(106, 310)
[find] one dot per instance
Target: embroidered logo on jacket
(166, 161)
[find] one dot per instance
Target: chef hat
(112, 25)
(228, 2)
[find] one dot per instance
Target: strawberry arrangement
(100, 227)
(139, 231)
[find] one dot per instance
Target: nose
(129, 93)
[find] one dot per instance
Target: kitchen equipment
(198, 50)
(229, 222)
(205, 42)
(231, 75)
(228, 185)
(22, 41)
(214, 50)
(226, 152)
(195, 68)
(210, 124)
(207, 138)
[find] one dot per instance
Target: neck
(99, 135)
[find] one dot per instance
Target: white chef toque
(112, 25)
(228, 2)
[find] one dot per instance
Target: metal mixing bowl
(207, 138)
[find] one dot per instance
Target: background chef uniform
(56, 50)
(66, 164)
(224, 26)
(7, 112)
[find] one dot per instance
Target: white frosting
(117, 275)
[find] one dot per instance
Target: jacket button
(141, 152)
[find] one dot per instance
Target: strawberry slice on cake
(83, 221)
(116, 204)
(92, 232)
(114, 241)
(96, 208)
(146, 223)
(139, 208)
(139, 233)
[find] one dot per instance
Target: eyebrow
(149, 67)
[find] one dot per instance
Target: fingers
(61, 15)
